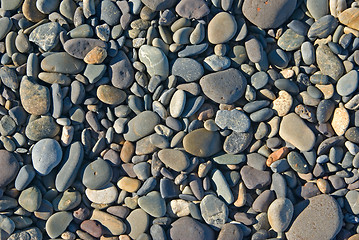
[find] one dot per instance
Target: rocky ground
(179, 120)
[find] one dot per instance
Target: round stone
(44, 127)
(110, 13)
(340, 120)
(328, 63)
(46, 155)
(9, 168)
(348, 83)
(6, 25)
(280, 214)
(221, 28)
(30, 199)
(104, 195)
(214, 211)
(153, 204)
(129, 184)
(188, 69)
(111, 95)
(31, 12)
(202, 143)
(230, 231)
(92, 227)
(177, 103)
(57, 223)
(225, 86)
(255, 179)
(189, 9)
(97, 174)
(352, 134)
(121, 71)
(189, 228)
(142, 125)
(34, 97)
(174, 159)
(46, 7)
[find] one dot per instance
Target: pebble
(107, 194)
(62, 62)
(222, 187)
(121, 71)
(324, 212)
(194, 230)
(177, 103)
(97, 174)
(189, 9)
(280, 213)
(217, 33)
(202, 143)
(110, 95)
(34, 97)
(348, 83)
(46, 36)
(328, 63)
(139, 222)
(214, 211)
(30, 11)
(46, 155)
(155, 60)
(219, 86)
(174, 159)
(142, 125)
(349, 18)
(290, 40)
(323, 27)
(57, 223)
(30, 199)
(283, 103)
(188, 69)
(234, 120)
(216, 63)
(153, 204)
(80, 47)
(9, 167)
(255, 179)
(113, 225)
(47, 7)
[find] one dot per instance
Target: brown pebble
(323, 185)
(30, 11)
(81, 214)
(276, 155)
(205, 112)
(129, 184)
(92, 227)
(96, 56)
(127, 151)
(354, 237)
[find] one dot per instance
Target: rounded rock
(46, 155)
(221, 28)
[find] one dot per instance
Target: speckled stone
(328, 63)
(34, 97)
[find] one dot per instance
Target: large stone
(319, 217)
(34, 97)
(62, 62)
(80, 47)
(189, 228)
(192, 9)
(44, 127)
(221, 28)
(214, 211)
(58, 223)
(159, 5)
(46, 154)
(328, 63)
(141, 126)
(121, 71)
(155, 60)
(174, 159)
(202, 143)
(46, 36)
(9, 167)
(293, 128)
(350, 18)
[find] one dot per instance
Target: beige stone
(96, 56)
(350, 18)
(112, 224)
(283, 103)
(129, 184)
(340, 120)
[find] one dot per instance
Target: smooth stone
(234, 120)
(97, 174)
(174, 159)
(110, 223)
(216, 63)
(290, 40)
(328, 63)
(67, 200)
(188, 69)
(62, 62)
(190, 9)
(217, 33)
(93, 228)
(308, 54)
(110, 95)
(57, 223)
(121, 71)
(350, 18)
(254, 178)
(94, 72)
(229, 159)
(254, 49)
(44, 127)
(225, 86)
(280, 214)
(221, 186)
(141, 126)
(259, 80)
(46, 7)
(193, 50)
(231, 231)
(31, 12)
(30, 199)
(177, 103)
(297, 162)
(139, 222)
(189, 228)
(323, 27)
(70, 166)
(46, 155)
(96, 56)
(268, 14)
(7, 126)
(109, 13)
(182, 35)
(34, 97)
(159, 5)
(155, 60)
(292, 128)
(46, 36)
(237, 142)
(52, 78)
(202, 143)
(107, 194)
(82, 31)
(9, 168)
(153, 204)
(351, 199)
(317, 9)
(24, 177)
(352, 134)
(263, 201)
(129, 184)
(348, 83)
(8, 77)
(6, 25)
(214, 211)
(10, 5)
(7, 226)
(283, 103)
(321, 211)
(80, 47)
(325, 110)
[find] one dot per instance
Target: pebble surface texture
(179, 119)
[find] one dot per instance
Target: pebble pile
(179, 119)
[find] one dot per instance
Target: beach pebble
(46, 155)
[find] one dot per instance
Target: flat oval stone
(234, 120)
(46, 7)
(46, 36)
(195, 230)
(188, 69)
(323, 212)
(237, 142)
(340, 120)
(174, 159)
(328, 63)
(325, 110)
(80, 47)
(155, 60)
(323, 27)
(290, 40)
(192, 9)
(107, 194)
(46, 155)
(225, 86)
(129, 184)
(297, 162)
(67, 200)
(221, 28)
(216, 63)
(352, 134)
(222, 187)
(231, 159)
(62, 62)
(202, 143)
(177, 104)
(30, 11)
(97, 174)
(121, 71)
(230, 231)
(11, 5)
(153, 204)
(139, 221)
(293, 128)
(24, 177)
(71, 164)
(348, 83)
(269, 14)
(110, 95)
(44, 127)
(9, 168)
(280, 214)
(214, 211)
(142, 125)
(57, 223)
(30, 199)
(34, 97)
(110, 13)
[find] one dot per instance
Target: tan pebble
(327, 90)
(337, 6)
(323, 40)
(283, 103)
(267, 94)
(68, 235)
(240, 193)
(122, 237)
(350, 18)
(305, 98)
(306, 176)
(67, 135)
(127, 151)
(274, 126)
(287, 73)
(204, 168)
(178, 208)
(276, 155)
(340, 120)
(354, 237)
(96, 56)
(348, 30)
(129, 184)
(228, 107)
(323, 186)
(31, 12)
